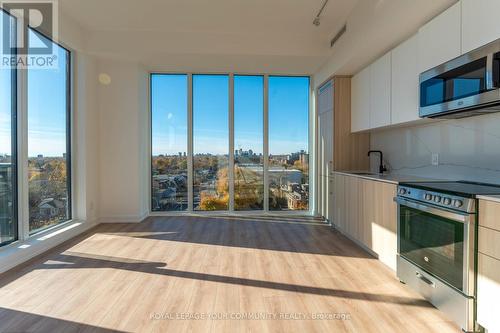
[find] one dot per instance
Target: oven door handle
(442, 212)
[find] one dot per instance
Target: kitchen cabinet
(337, 148)
(405, 82)
(365, 211)
(371, 96)
(380, 92)
(480, 23)
(488, 276)
(440, 39)
(360, 101)
(339, 200)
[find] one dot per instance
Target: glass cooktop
(467, 189)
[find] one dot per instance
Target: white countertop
(495, 198)
(386, 178)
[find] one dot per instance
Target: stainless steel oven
(466, 86)
(439, 241)
(436, 250)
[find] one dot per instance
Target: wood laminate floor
(209, 274)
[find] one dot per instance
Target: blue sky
(5, 115)
(288, 113)
(46, 109)
(169, 118)
(249, 113)
(210, 114)
(5, 103)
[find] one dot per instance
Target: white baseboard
(16, 253)
(124, 218)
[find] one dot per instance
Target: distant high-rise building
(184, 154)
(40, 156)
(250, 152)
(236, 152)
(180, 154)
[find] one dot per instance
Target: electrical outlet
(435, 159)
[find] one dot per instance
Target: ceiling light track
(316, 20)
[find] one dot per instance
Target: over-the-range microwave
(465, 86)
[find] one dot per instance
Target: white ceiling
(148, 30)
(244, 17)
(250, 36)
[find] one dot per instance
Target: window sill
(18, 252)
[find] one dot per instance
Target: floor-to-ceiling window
(169, 125)
(8, 207)
(209, 133)
(248, 142)
(210, 142)
(35, 106)
(288, 143)
(48, 113)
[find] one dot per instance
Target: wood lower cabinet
(488, 276)
(365, 211)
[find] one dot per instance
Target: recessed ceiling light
(104, 79)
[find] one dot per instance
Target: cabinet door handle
(426, 280)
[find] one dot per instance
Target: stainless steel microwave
(463, 87)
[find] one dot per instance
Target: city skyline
(184, 154)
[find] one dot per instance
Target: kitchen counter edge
(394, 179)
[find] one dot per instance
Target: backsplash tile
(469, 149)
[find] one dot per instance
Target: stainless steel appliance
(465, 86)
(437, 244)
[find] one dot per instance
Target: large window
(210, 142)
(35, 171)
(8, 208)
(169, 142)
(288, 143)
(49, 142)
(229, 142)
(248, 142)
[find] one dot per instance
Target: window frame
(232, 187)
(150, 142)
(22, 146)
(311, 118)
(19, 143)
(13, 144)
(231, 210)
(230, 139)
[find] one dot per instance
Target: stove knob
(437, 199)
(402, 191)
(428, 197)
(458, 203)
(447, 201)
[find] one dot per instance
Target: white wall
(86, 139)
(123, 136)
(85, 134)
(469, 149)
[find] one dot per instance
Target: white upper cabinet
(380, 92)
(440, 39)
(405, 82)
(480, 23)
(360, 101)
